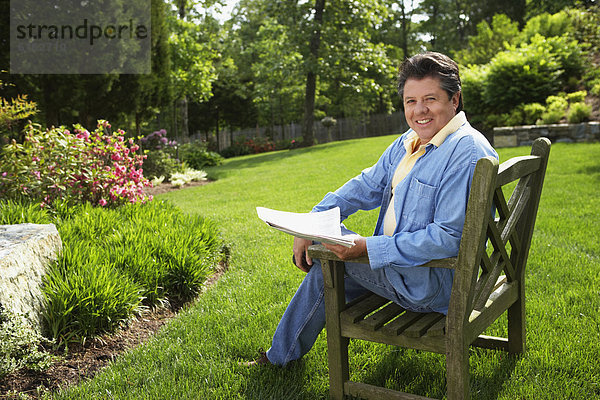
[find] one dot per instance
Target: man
(421, 183)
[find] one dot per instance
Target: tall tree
(311, 66)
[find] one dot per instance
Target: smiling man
(421, 184)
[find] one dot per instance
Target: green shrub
(115, 262)
(86, 295)
(551, 117)
(532, 112)
(160, 163)
(474, 79)
(161, 155)
(556, 109)
(548, 25)
(579, 112)
(20, 345)
(520, 76)
(196, 156)
(239, 147)
(595, 90)
(576, 97)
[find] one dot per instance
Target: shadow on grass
(592, 171)
(423, 373)
(271, 382)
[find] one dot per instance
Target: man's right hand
(301, 258)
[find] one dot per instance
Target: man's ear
(456, 100)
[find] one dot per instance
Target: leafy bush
(532, 112)
(13, 112)
(160, 163)
(522, 75)
(556, 108)
(548, 25)
(161, 155)
(196, 156)
(474, 79)
(55, 165)
(579, 112)
(576, 97)
(236, 149)
(595, 89)
(115, 262)
(20, 345)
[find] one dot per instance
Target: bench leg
(337, 346)
(516, 327)
(457, 373)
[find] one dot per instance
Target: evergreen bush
(195, 155)
(578, 112)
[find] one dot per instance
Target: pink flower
(102, 202)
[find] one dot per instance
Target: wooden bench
(489, 279)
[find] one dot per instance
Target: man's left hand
(347, 253)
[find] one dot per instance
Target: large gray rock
(26, 250)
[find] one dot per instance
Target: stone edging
(510, 136)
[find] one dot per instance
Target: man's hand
(301, 258)
(347, 253)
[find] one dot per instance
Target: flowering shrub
(161, 158)
(242, 146)
(98, 167)
(157, 140)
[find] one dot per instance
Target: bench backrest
(497, 233)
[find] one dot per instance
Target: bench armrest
(319, 251)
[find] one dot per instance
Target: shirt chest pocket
(419, 205)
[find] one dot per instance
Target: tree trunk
(183, 103)
(138, 123)
(311, 76)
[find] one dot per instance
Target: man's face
(426, 106)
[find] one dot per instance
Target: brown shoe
(262, 360)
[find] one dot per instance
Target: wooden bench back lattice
(489, 279)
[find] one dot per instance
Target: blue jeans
(304, 317)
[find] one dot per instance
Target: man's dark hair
(434, 65)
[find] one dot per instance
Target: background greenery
(273, 63)
(196, 356)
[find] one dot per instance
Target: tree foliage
(278, 62)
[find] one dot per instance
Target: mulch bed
(84, 361)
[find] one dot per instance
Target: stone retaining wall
(26, 250)
(511, 136)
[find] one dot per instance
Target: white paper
(321, 226)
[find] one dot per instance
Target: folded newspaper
(323, 226)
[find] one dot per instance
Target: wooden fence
(345, 128)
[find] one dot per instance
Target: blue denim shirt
(430, 206)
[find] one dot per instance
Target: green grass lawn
(196, 356)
